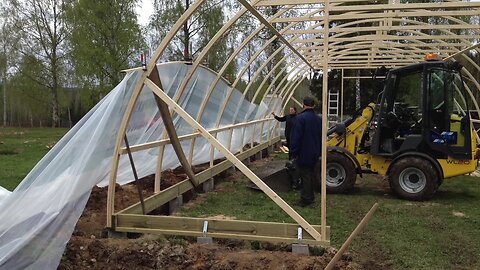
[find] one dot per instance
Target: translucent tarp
(38, 217)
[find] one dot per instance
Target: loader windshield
(448, 112)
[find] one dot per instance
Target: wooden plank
(349, 240)
(223, 235)
(159, 199)
(163, 142)
(323, 162)
(215, 226)
(170, 128)
(255, 13)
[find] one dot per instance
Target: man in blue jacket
(306, 144)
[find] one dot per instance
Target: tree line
(58, 58)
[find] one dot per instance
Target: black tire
(413, 178)
(341, 173)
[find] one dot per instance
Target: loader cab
(423, 109)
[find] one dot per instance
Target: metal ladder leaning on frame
(333, 107)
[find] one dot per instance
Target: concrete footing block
(208, 185)
(175, 204)
(116, 235)
(271, 148)
(231, 170)
(300, 249)
(246, 161)
(204, 240)
(258, 155)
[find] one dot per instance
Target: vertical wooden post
(158, 173)
(323, 214)
(341, 95)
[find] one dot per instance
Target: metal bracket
(299, 235)
(205, 228)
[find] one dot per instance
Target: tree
(105, 38)
(44, 39)
(9, 39)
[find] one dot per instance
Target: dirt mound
(86, 253)
(89, 249)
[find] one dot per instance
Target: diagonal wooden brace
(231, 157)
(170, 128)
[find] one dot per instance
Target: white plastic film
(38, 217)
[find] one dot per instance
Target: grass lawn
(443, 233)
(21, 149)
(439, 234)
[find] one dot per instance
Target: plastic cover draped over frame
(38, 217)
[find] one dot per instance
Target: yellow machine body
(352, 137)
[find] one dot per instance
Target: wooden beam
(248, 230)
(133, 100)
(155, 201)
(273, 29)
(380, 15)
(163, 142)
(170, 128)
(323, 161)
(236, 162)
(349, 240)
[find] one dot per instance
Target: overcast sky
(144, 10)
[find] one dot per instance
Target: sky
(144, 10)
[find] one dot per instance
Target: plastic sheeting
(38, 217)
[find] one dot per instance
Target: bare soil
(89, 248)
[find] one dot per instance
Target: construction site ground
(90, 248)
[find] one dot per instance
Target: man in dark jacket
(289, 119)
(306, 144)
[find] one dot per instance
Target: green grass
(401, 235)
(21, 149)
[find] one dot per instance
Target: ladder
(333, 107)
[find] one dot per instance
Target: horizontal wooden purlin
(362, 66)
(410, 6)
(393, 45)
(385, 28)
(149, 145)
(168, 194)
(367, 48)
(403, 28)
(399, 61)
(386, 44)
(387, 38)
(285, 2)
(379, 51)
(266, 231)
(393, 57)
(381, 15)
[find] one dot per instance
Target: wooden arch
(335, 38)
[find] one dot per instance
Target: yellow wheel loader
(418, 134)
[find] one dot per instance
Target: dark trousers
(289, 152)
(307, 175)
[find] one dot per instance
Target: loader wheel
(341, 173)
(413, 178)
